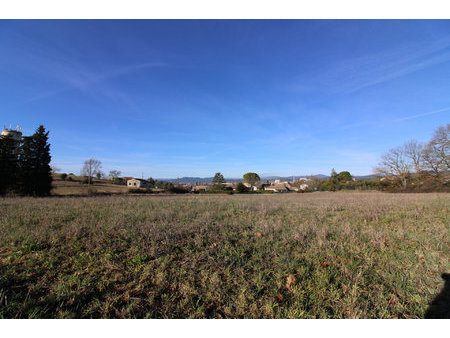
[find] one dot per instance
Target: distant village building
(262, 186)
(249, 186)
(138, 183)
(304, 183)
(278, 186)
(303, 186)
(199, 188)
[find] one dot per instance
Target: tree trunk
(404, 182)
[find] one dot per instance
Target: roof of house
(278, 187)
(199, 187)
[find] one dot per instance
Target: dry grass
(76, 188)
(319, 255)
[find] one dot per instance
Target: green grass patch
(348, 255)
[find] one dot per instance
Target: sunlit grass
(366, 255)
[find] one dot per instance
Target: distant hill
(366, 177)
(289, 178)
(187, 180)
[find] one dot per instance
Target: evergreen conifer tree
(218, 182)
(35, 170)
(8, 165)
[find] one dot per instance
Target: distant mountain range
(366, 177)
(193, 180)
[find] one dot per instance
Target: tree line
(25, 164)
(418, 166)
(413, 166)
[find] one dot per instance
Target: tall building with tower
(13, 134)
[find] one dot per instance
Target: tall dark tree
(218, 182)
(218, 178)
(34, 158)
(333, 173)
(8, 164)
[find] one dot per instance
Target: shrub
(241, 188)
(177, 190)
(302, 191)
(141, 191)
(217, 187)
(118, 180)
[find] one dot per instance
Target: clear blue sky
(170, 98)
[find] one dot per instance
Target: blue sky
(173, 98)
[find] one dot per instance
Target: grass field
(76, 188)
(319, 255)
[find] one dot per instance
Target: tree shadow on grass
(440, 306)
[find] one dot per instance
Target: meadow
(316, 255)
(74, 187)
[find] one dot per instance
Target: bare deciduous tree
(91, 168)
(436, 154)
(395, 163)
(113, 174)
(314, 183)
(432, 159)
(414, 152)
